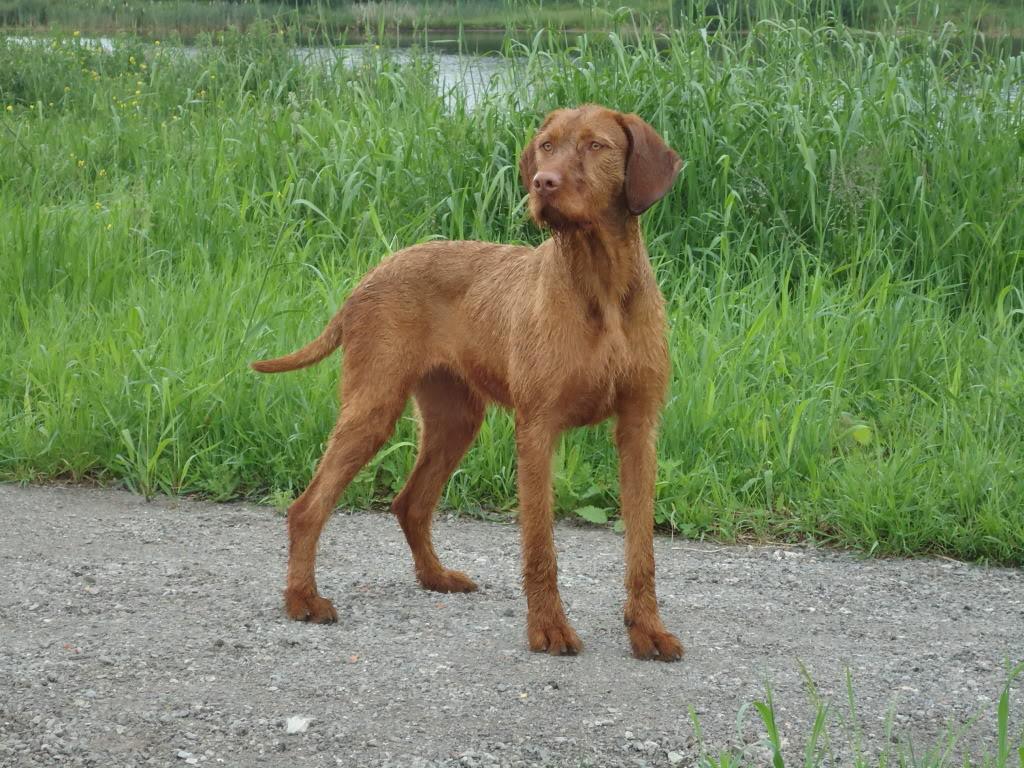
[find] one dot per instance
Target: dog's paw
(309, 607)
(555, 637)
(447, 581)
(655, 644)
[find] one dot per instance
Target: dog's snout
(546, 181)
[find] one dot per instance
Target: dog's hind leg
(450, 416)
(367, 418)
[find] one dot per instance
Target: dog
(567, 334)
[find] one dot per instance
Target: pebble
(217, 657)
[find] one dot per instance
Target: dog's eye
(596, 145)
(547, 146)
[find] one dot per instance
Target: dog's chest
(595, 366)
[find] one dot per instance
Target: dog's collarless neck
(601, 260)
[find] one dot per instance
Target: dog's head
(586, 164)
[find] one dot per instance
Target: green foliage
(841, 258)
(311, 19)
(831, 735)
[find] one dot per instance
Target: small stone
(297, 724)
(675, 758)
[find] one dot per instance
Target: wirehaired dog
(565, 335)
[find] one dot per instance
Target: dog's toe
(655, 644)
(311, 608)
(556, 639)
(448, 581)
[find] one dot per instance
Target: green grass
(835, 737)
(842, 258)
(189, 18)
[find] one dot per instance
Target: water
(469, 74)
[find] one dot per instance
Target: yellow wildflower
(10, 107)
(67, 89)
(103, 172)
(76, 33)
(131, 59)
(110, 227)
(81, 163)
(98, 205)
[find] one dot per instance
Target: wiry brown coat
(566, 335)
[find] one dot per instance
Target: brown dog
(566, 335)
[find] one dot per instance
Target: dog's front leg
(546, 626)
(634, 437)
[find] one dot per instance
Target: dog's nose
(547, 181)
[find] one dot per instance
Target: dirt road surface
(151, 633)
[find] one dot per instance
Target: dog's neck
(602, 258)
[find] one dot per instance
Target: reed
(842, 258)
(312, 18)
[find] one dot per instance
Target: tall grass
(842, 258)
(311, 18)
(336, 17)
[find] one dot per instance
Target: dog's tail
(319, 348)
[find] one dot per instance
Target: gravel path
(135, 633)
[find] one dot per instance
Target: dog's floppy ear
(651, 165)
